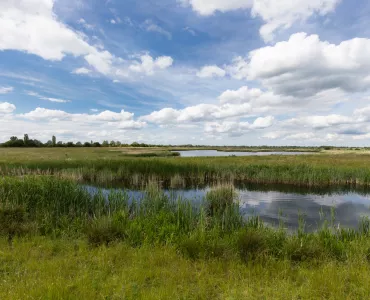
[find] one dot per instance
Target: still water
(276, 204)
(205, 153)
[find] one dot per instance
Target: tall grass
(215, 229)
(307, 170)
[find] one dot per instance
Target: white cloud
(198, 113)
(233, 128)
(152, 27)
(263, 122)
(22, 28)
(281, 14)
(148, 65)
(211, 71)
(242, 95)
(304, 66)
(320, 122)
(6, 108)
(101, 61)
(83, 71)
(300, 136)
(55, 100)
(86, 25)
(112, 21)
(238, 69)
(208, 7)
(6, 90)
(121, 120)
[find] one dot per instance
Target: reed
(308, 170)
(216, 228)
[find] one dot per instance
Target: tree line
(34, 143)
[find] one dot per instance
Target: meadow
(58, 241)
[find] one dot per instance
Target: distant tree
(78, 144)
(60, 144)
(105, 144)
(112, 144)
(70, 144)
(54, 140)
(49, 143)
(118, 144)
(13, 138)
(87, 144)
(16, 143)
(26, 139)
(96, 144)
(135, 144)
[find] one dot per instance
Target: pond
(205, 153)
(276, 204)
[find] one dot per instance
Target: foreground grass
(59, 242)
(41, 268)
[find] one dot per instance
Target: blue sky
(238, 72)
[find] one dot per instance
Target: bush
(104, 231)
(251, 245)
(14, 222)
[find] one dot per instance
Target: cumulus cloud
(121, 120)
(320, 122)
(22, 28)
(304, 66)
(233, 128)
(6, 108)
(105, 116)
(198, 113)
(148, 65)
(283, 14)
(211, 71)
(277, 15)
(6, 90)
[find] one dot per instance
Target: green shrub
(251, 245)
(104, 231)
(14, 222)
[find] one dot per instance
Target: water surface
(205, 153)
(276, 204)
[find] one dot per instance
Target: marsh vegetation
(163, 246)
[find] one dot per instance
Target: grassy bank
(105, 167)
(41, 268)
(60, 242)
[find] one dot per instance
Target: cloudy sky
(238, 72)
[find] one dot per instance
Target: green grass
(41, 268)
(68, 244)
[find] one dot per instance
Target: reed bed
(50, 207)
(315, 170)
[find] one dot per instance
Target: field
(58, 241)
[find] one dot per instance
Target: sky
(202, 72)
